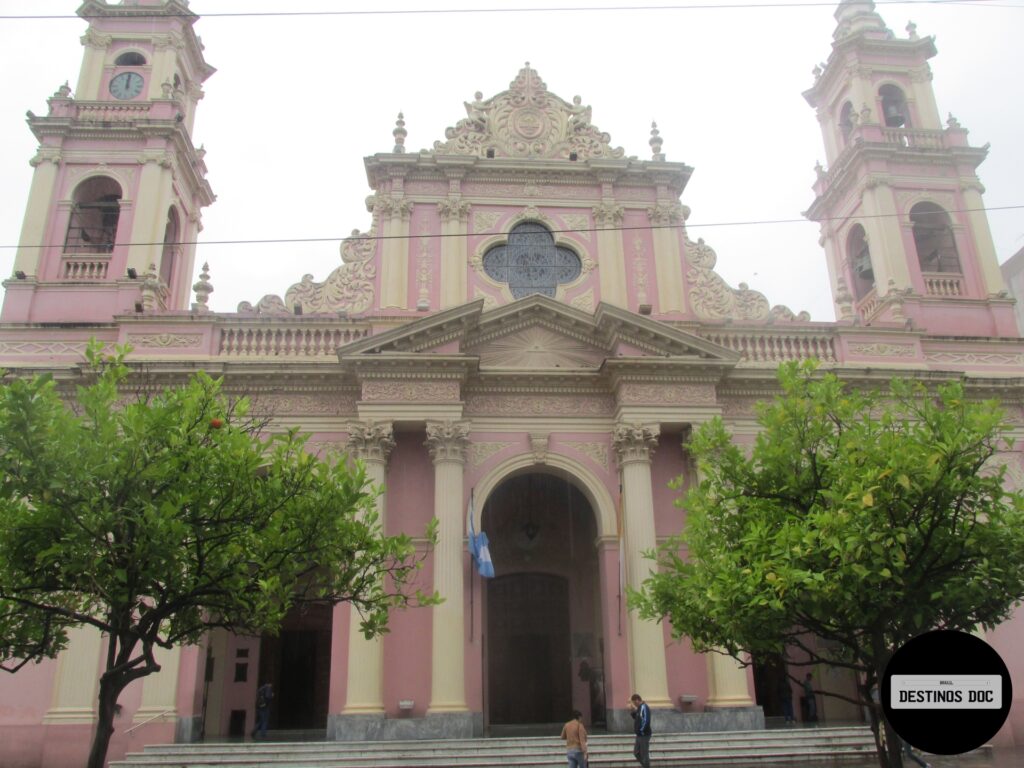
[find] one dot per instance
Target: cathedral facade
(523, 329)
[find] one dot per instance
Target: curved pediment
(527, 121)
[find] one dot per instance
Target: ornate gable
(527, 121)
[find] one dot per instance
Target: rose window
(531, 262)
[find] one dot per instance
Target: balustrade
(774, 347)
(943, 284)
(286, 340)
(92, 268)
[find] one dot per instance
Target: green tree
(157, 518)
(861, 519)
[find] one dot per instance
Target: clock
(127, 85)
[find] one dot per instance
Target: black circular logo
(946, 692)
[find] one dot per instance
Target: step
(606, 751)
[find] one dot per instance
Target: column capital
(454, 209)
(371, 440)
(635, 442)
(608, 215)
(447, 440)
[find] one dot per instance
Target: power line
(467, 11)
(644, 228)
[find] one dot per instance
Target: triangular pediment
(540, 334)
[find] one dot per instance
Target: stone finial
(844, 300)
(817, 71)
(819, 171)
(151, 289)
(952, 122)
(912, 30)
(203, 289)
(168, 88)
(399, 133)
(656, 142)
(64, 92)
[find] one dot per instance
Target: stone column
(634, 446)
(668, 267)
(727, 680)
(447, 442)
(727, 683)
(371, 442)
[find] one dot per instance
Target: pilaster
(454, 259)
(78, 670)
(394, 214)
(370, 442)
(153, 198)
(37, 212)
(634, 445)
(984, 248)
(608, 217)
(160, 691)
(887, 243)
(668, 267)
(447, 442)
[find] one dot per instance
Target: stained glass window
(531, 262)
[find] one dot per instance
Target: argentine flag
(479, 547)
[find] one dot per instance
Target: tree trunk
(110, 690)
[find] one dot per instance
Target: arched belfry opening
(544, 645)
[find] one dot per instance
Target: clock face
(127, 85)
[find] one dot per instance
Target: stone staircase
(819, 745)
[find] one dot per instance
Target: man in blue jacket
(640, 711)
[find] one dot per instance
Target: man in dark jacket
(640, 711)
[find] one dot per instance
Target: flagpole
(471, 579)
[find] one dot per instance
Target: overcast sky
(297, 102)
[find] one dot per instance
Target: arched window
(130, 59)
(172, 248)
(859, 255)
(93, 222)
(894, 107)
(846, 121)
(933, 238)
(531, 262)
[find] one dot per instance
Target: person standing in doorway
(575, 736)
(264, 695)
(640, 711)
(812, 704)
(786, 698)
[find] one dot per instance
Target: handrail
(148, 720)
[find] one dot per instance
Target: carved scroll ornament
(348, 288)
(714, 300)
(527, 121)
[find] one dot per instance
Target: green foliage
(157, 517)
(862, 518)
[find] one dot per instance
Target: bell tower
(116, 198)
(900, 205)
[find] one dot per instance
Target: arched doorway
(544, 647)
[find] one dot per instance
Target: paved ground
(997, 758)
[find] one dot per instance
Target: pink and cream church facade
(523, 320)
